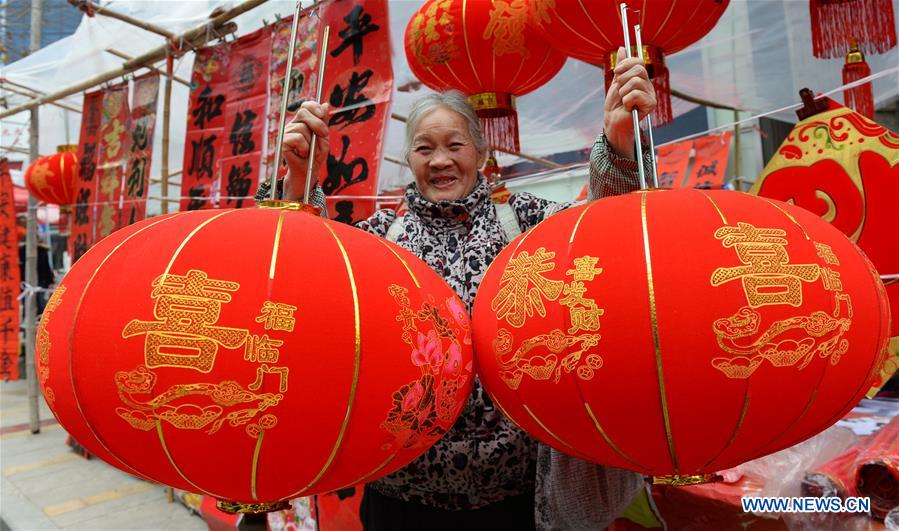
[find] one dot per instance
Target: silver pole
(634, 113)
(318, 99)
(652, 145)
(273, 182)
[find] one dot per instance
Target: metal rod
(166, 127)
(634, 113)
(652, 145)
(285, 95)
(194, 37)
(318, 99)
(127, 57)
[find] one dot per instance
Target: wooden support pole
(195, 37)
(127, 57)
(33, 94)
(88, 6)
(166, 125)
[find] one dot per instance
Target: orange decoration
(488, 51)
(51, 179)
(591, 31)
(254, 355)
(631, 334)
(845, 168)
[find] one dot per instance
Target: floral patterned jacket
(484, 458)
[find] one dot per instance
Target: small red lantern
(254, 355)
(628, 333)
(591, 31)
(488, 51)
(51, 179)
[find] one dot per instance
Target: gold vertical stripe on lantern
(578, 224)
(275, 246)
(714, 204)
(357, 362)
(655, 334)
(256, 459)
(790, 216)
(547, 430)
(165, 450)
(605, 437)
(87, 286)
(736, 429)
(400, 258)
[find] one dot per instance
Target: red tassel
(501, 129)
(836, 22)
(860, 98)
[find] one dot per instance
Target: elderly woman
(481, 474)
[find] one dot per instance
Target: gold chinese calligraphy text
(768, 277)
(185, 334)
(523, 287)
(508, 21)
(277, 316)
(432, 41)
(43, 343)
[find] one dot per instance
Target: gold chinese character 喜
(187, 308)
(768, 277)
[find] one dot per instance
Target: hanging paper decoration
(206, 135)
(211, 372)
(679, 332)
(592, 32)
(488, 51)
(143, 125)
(860, 98)
(303, 76)
(9, 278)
(837, 23)
(245, 112)
(710, 163)
(672, 161)
(358, 84)
(111, 159)
(51, 179)
(845, 168)
(81, 235)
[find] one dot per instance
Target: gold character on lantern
(508, 19)
(262, 349)
(277, 316)
(768, 277)
(831, 279)
(262, 370)
(187, 306)
(583, 311)
(826, 252)
(524, 287)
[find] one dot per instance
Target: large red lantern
(845, 168)
(51, 179)
(681, 332)
(488, 51)
(254, 355)
(591, 31)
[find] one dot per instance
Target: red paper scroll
(710, 163)
(9, 279)
(672, 162)
(81, 236)
(205, 126)
(358, 83)
(303, 77)
(111, 158)
(245, 112)
(143, 124)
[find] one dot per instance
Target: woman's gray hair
(452, 100)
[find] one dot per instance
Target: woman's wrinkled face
(443, 156)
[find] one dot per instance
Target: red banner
(81, 235)
(205, 126)
(358, 84)
(111, 158)
(245, 113)
(303, 76)
(9, 279)
(671, 163)
(710, 163)
(143, 125)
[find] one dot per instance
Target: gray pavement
(47, 486)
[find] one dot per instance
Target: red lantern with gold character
(845, 168)
(51, 179)
(591, 31)
(487, 50)
(254, 355)
(679, 332)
